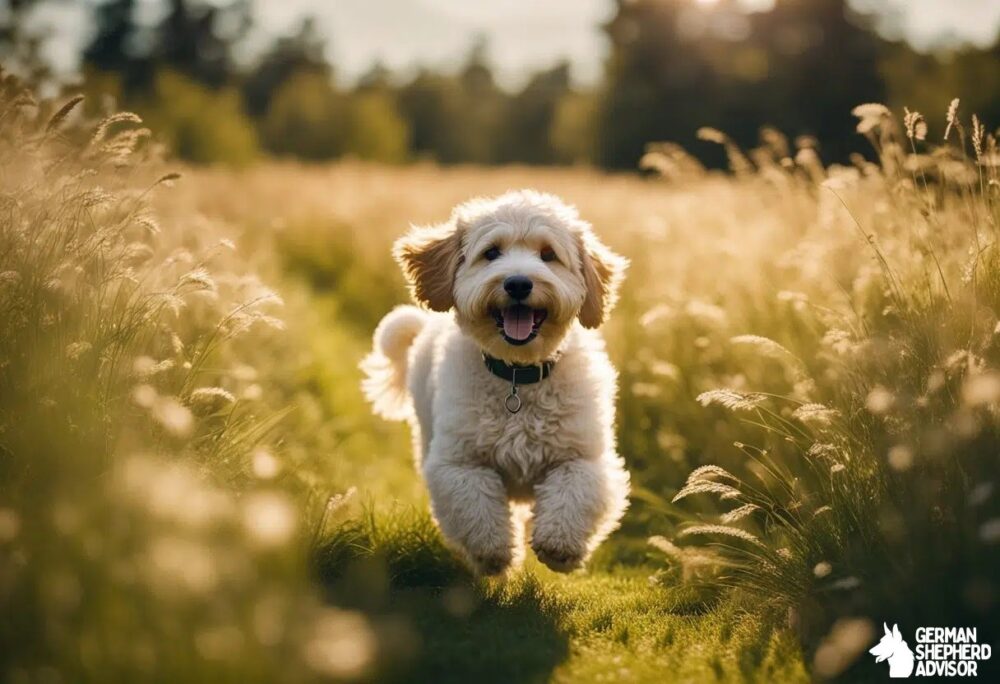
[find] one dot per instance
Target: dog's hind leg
(577, 504)
(471, 508)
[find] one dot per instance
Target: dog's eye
(492, 254)
(548, 254)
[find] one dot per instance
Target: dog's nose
(518, 286)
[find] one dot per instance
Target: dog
(894, 648)
(505, 381)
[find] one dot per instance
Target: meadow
(193, 489)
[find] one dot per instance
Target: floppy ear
(429, 257)
(603, 271)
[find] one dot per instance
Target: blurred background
(572, 82)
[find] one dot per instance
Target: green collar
(516, 373)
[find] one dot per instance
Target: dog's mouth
(519, 323)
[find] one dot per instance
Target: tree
(301, 53)
(194, 38)
(676, 66)
(529, 116)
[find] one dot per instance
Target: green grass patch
(535, 625)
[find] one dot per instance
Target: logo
(894, 648)
(940, 652)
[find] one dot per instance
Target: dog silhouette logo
(894, 648)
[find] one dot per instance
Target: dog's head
(892, 644)
(519, 269)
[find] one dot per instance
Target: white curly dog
(511, 396)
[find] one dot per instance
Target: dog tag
(512, 403)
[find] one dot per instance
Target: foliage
(868, 468)
(673, 67)
(199, 124)
(147, 527)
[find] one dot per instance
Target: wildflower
(952, 117)
(733, 400)
(822, 569)
(207, 400)
(167, 180)
(871, 115)
(77, 349)
(838, 340)
(738, 513)
(706, 487)
(916, 126)
(62, 113)
(145, 367)
(978, 132)
(822, 450)
(721, 530)
(815, 413)
(149, 223)
(200, 279)
(710, 134)
(707, 472)
(837, 468)
(119, 117)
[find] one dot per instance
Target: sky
(524, 35)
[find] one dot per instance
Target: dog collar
(518, 375)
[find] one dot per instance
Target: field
(193, 488)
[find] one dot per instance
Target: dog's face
(892, 643)
(518, 269)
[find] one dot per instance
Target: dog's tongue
(518, 321)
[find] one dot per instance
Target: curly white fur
(482, 463)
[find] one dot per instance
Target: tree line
(674, 66)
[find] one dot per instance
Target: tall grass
(149, 525)
(809, 381)
(861, 484)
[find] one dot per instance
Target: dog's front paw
(491, 564)
(560, 558)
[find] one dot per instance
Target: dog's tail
(385, 367)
